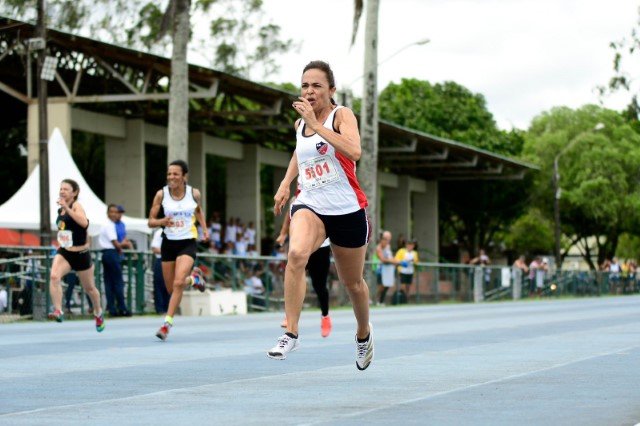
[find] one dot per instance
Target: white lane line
(467, 387)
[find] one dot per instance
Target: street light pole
(45, 215)
(557, 191)
(347, 88)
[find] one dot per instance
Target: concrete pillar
(517, 283)
(197, 167)
(425, 222)
(243, 189)
(58, 115)
(125, 170)
(397, 209)
(478, 284)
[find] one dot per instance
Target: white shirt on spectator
(3, 300)
(107, 235)
(250, 235)
(156, 242)
(230, 234)
(254, 286)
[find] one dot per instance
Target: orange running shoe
(325, 326)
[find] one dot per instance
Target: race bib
(318, 172)
(179, 225)
(65, 238)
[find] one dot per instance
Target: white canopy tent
(22, 210)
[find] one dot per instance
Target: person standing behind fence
(408, 258)
(160, 294)
(176, 207)
(112, 257)
(519, 269)
(73, 252)
(387, 266)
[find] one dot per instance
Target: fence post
(140, 278)
(129, 280)
(517, 283)
(478, 290)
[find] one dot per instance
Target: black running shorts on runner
(171, 249)
(349, 230)
(79, 260)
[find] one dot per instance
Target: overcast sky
(524, 56)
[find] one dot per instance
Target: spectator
(387, 266)
(215, 231)
(230, 233)
(540, 275)
(484, 261)
(121, 230)
(112, 256)
(3, 300)
(161, 296)
(408, 257)
(614, 275)
(519, 265)
(250, 235)
(535, 264)
(253, 284)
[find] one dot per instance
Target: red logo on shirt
(322, 147)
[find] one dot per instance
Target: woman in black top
(73, 253)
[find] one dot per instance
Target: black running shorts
(79, 260)
(349, 230)
(171, 249)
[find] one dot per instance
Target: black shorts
(349, 230)
(79, 260)
(406, 278)
(171, 249)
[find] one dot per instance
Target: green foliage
(446, 109)
(531, 234)
(600, 189)
(628, 246)
(474, 213)
(624, 51)
(233, 36)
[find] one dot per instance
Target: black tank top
(66, 223)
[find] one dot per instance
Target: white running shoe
(364, 351)
(285, 345)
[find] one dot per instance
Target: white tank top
(328, 182)
(183, 213)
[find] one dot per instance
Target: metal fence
(24, 283)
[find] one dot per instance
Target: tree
(473, 213)
(530, 234)
(600, 189)
(232, 36)
(368, 164)
(143, 25)
(178, 129)
(622, 80)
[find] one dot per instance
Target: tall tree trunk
(368, 164)
(178, 132)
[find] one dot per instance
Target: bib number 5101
(318, 170)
